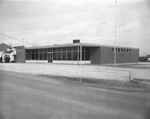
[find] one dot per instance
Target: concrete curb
(134, 79)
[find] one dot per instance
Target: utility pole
(115, 54)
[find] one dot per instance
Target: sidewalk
(78, 71)
(141, 76)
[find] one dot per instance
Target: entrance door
(50, 57)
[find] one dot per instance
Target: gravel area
(79, 71)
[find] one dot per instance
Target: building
(9, 55)
(73, 53)
(148, 58)
(12, 54)
(81, 53)
(3, 48)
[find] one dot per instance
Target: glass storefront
(65, 53)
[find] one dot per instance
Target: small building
(81, 53)
(12, 54)
(9, 56)
(3, 48)
(148, 58)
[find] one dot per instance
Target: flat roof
(75, 44)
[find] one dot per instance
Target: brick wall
(20, 58)
(107, 56)
(95, 55)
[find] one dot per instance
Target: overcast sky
(48, 22)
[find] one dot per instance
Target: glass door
(50, 57)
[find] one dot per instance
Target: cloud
(72, 2)
(59, 21)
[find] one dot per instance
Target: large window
(64, 56)
(41, 56)
(28, 54)
(55, 56)
(69, 55)
(86, 53)
(65, 53)
(36, 54)
(75, 56)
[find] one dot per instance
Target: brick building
(81, 53)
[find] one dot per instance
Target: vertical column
(61, 54)
(46, 54)
(38, 54)
(80, 54)
(72, 55)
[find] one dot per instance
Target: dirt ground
(121, 72)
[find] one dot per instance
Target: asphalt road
(26, 96)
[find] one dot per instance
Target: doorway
(50, 57)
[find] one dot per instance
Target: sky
(48, 22)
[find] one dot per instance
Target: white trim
(71, 62)
(59, 61)
(36, 61)
(1, 54)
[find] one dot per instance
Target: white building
(10, 53)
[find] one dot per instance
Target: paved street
(26, 96)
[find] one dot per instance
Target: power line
(18, 39)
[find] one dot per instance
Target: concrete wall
(20, 57)
(107, 56)
(95, 55)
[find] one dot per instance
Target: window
(75, 56)
(87, 55)
(55, 49)
(28, 55)
(59, 56)
(121, 50)
(83, 55)
(69, 49)
(63, 56)
(69, 56)
(59, 49)
(41, 56)
(63, 49)
(55, 56)
(125, 50)
(45, 56)
(50, 50)
(74, 49)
